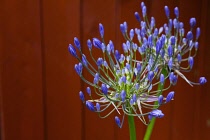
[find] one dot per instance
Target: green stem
(132, 128)
(152, 122)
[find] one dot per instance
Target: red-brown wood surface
(39, 88)
(21, 70)
(60, 23)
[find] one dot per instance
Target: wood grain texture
(61, 22)
(39, 86)
(21, 70)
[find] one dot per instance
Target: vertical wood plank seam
(81, 34)
(44, 91)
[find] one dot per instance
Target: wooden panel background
(39, 88)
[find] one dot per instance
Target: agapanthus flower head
(126, 82)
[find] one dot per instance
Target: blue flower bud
(170, 24)
(170, 51)
(144, 11)
(181, 32)
(155, 34)
(108, 48)
(189, 35)
(155, 114)
(166, 30)
(181, 25)
(96, 78)
(170, 63)
(138, 66)
(125, 25)
(104, 89)
(97, 43)
(167, 11)
(98, 107)
(111, 46)
(137, 16)
(125, 48)
(131, 101)
(179, 58)
(77, 43)
(90, 106)
(123, 95)
(103, 47)
(192, 22)
(160, 99)
(117, 120)
(72, 50)
(202, 80)
(88, 90)
(101, 30)
(191, 62)
(84, 60)
(89, 44)
(158, 47)
(122, 79)
(105, 64)
(150, 76)
(122, 58)
(78, 68)
(99, 62)
(131, 34)
(142, 4)
(196, 45)
(134, 47)
(160, 30)
(122, 28)
(198, 32)
(127, 65)
(176, 23)
(82, 97)
(162, 78)
(172, 78)
(117, 55)
(162, 53)
(176, 12)
(152, 23)
(134, 98)
(150, 40)
(173, 40)
(169, 97)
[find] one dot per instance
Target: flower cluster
(127, 82)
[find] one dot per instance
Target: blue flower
(126, 82)
(169, 97)
(160, 99)
(176, 12)
(104, 89)
(101, 30)
(155, 114)
(167, 12)
(90, 106)
(117, 120)
(72, 50)
(77, 43)
(82, 97)
(137, 16)
(88, 91)
(202, 80)
(98, 107)
(97, 43)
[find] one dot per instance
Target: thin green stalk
(132, 128)
(152, 122)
